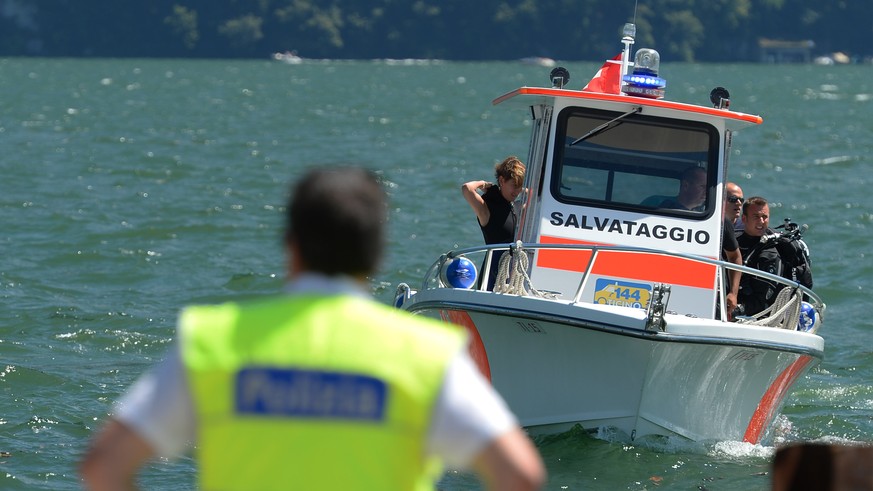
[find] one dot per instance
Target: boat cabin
(606, 170)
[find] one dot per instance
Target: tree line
(681, 30)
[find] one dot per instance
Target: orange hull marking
(569, 260)
(634, 265)
(764, 413)
(476, 347)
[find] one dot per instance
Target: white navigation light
(647, 61)
(644, 81)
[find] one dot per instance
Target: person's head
(510, 177)
(756, 216)
(692, 187)
(336, 222)
(733, 201)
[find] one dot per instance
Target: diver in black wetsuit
(764, 249)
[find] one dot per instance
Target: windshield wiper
(607, 125)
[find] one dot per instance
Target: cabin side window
(636, 162)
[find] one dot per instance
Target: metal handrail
(433, 272)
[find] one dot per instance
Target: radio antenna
(636, 2)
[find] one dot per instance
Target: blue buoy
(460, 272)
(402, 295)
(808, 317)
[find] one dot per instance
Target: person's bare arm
(511, 463)
(114, 458)
(469, 190)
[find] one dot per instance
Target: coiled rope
(512, 274)
(784, 313)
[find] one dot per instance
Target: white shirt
(468, 415)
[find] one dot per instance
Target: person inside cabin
(733, 205)
(494, 206)
(320, 387)
(692, 191)
(762, 249)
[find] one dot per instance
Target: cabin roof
(642, 101)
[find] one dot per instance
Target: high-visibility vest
(314, 392)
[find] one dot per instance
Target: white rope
(784, 313)
(511, 281)
(501, 283)
(514, 279)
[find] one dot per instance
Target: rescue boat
(609, 309)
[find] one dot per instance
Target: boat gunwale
(432, 272)
(576, 322)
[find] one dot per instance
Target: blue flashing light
(645, 81)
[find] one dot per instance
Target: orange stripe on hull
(764, 413)
(476, 346)
(568, 260)
(636, 265)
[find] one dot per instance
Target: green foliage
(183, 21)
(242, 31)
(682, 30)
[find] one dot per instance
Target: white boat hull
(559, 364)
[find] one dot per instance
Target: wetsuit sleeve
(728, 237)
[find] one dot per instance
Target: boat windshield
(654, 165)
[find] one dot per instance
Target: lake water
(130, 188)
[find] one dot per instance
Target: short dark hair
(754, 200)
(689, 173)
(337, 218)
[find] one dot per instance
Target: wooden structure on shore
(779, 51)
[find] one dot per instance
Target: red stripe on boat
(476, 347)
(764, 413)
(634, 265)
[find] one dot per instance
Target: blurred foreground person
(823, 467)
(321, 387)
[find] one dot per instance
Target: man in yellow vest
(321, 387)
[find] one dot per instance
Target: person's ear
(292, 256)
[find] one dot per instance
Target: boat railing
(434, 277)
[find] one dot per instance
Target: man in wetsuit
(763, 250)
(494, 207)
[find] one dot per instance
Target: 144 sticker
(623, 293)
